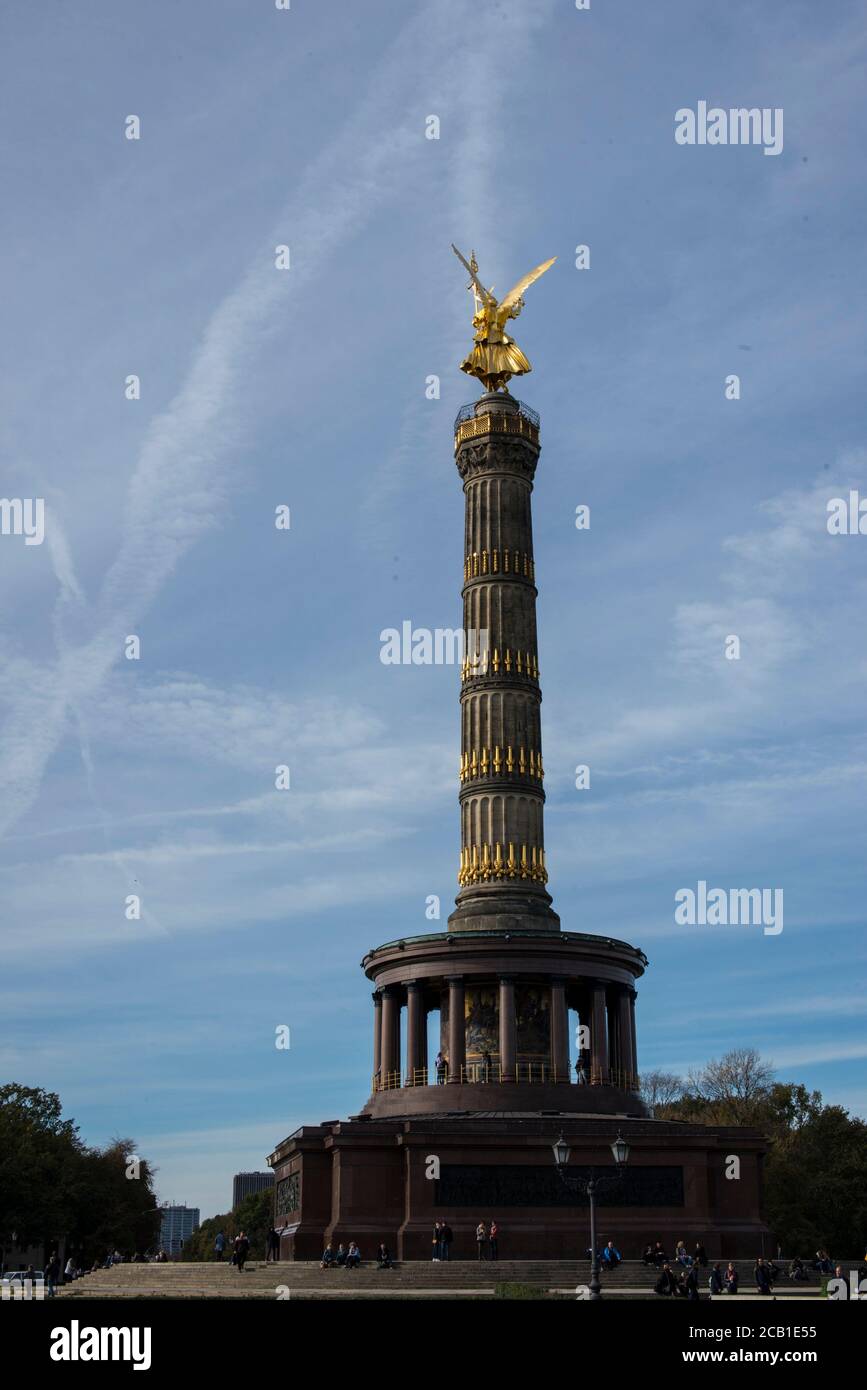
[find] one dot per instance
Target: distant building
(244, 1184)
(177, 1225)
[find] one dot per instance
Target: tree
(733, 1086)
(39, 1151)
(660, 1088)
(815, 1172)
(53, 1187)
(253, 1215)
(816, 1183)
(115, 1205)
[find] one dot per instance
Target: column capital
(412, 984)
(376, 996)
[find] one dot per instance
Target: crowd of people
(683, 1279)
(349, 1257)
(487, 1247)
(57, 1273)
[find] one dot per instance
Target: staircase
(411, 1279)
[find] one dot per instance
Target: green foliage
(53, 1187)
(518, 1291)
(253, 1216)
(816, 1184)
(113, 1210)
(38, 1155)
(815, 1173)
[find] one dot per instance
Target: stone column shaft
(390, 1032)
(624, 1051)
(508, 1030)
(414, 1033)
(559, 1030)
(599, 1036)
(502, 864)
(377, 1038)
(457, 1028)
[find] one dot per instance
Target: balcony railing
(468, 424)
(468, 412)
(526, 1073)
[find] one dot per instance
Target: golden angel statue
(496, 357)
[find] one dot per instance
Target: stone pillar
(632, 1034)
(377, 1038)
(502, 867)
(559, 1031)
(414, 1031)
(457, 1028)
(390, 1032)
(624, 1019)
(508, 1029)
(424, 1017)
(599, 1036)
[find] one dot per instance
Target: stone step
(260, 1280)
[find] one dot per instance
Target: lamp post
(620, 1152)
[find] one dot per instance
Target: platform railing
(526, 1073)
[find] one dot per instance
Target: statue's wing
(517, 290)
(485, 294)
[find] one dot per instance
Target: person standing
(52, 1274)
(69, 1271)
(219, 1245)
(242, 1250)
(446, 1237)
(700, 1256)
(762, 1276)
(492, 1238)
(732, 1278)
(437, 1243)
(715, 1281)
(481, 1239)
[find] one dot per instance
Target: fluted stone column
(390, 1031)
(502, 865)
(508, 1029)
(599, 1036)
(559, 1030)
(377, 1038)
(414, 1030)
(632, 1034)
(457, 1028)
(624, 1056)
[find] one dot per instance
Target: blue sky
(306, 387)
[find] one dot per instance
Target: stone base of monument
(377, 1180)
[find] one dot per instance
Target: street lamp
(620, 1153)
